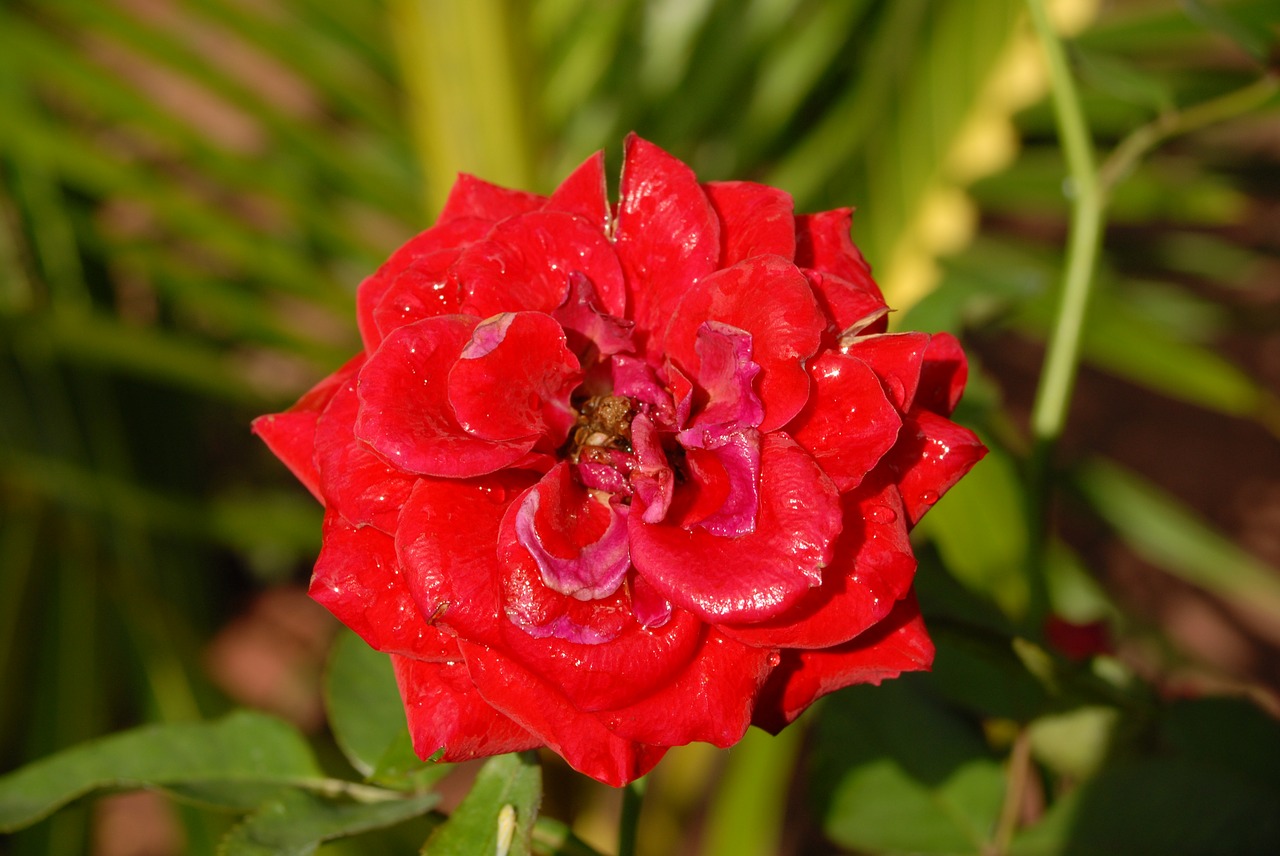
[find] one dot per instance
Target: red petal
(897, 358)
(846, 305)
(848, 424)
(474, 197)
(667, 235)
(583, 193)
(354, 481)
(896, 645)
(404, 407)
(358, 579)
(447, 547)
(755, 219)
(943, 376)
(578, 737)
(824, 244)
(440, 237)
(513, 379)
(932, 454)
(525, 264)
(446, 712)
(291, 436)
(769, 298)
(424, 289)
(753, 576)
(872, 570)
(710, 701)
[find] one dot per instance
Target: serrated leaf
(502, 805)
(367, 716)
(297, 823)
(235, 762)
(1168, 534)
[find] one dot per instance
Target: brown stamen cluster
(604, 422)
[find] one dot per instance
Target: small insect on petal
(506, 829)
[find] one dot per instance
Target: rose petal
(727, 372)
(578, 737)
(651, 478)
(872, 570)
(475, 197)
(848, 424)
(513, 380)
(442, 236)
(726, 476)
(896, 645)
(585, 323)
(943, 375)
(578, 542)
(897, 358)
(445, 711)
(447, 548)
(405, 412)
(357, 578)
(755, 219)
(823, 243)
(354, 481)
(754, 576)
(583, 194)
(932, 454)
(525, 264)
(423, 289)
(710, 701)
(768, 298)
(849, 308)
(291, 435)
(667, 235)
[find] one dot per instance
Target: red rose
(614, 480)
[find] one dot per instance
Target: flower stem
(632, 800)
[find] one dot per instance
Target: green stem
(629, 826)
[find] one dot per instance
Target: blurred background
(190, 191)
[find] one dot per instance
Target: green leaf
(367, 716)
(298, 822)
(236, 762)
(500, 810)
(1168, 534)
(897, 772)
(980, 531)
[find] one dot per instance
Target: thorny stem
(1090, 192)
(632, 799)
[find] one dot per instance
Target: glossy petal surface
(755, 220)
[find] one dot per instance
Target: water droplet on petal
(883, 514)
(774, 658)
(929, 497)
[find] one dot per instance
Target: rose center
(602, 428)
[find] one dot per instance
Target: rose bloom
(611, 479)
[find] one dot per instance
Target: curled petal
(560, 524)
(768, 298)
(577, 736)
(445, 711)
(932, 454)
(872, 570)
(475, 197)
(848, 423)
(355, 482)
(727, 477)
(755, 220)
(586, 324)
(823, 243)
(513, 378)
(357, 578)
(525, 263)
(897, 359)
(727, 372)
(405, 413)
(652, 478)
(753, 576)
(711, 700)
(583, 194)
(443, 236)
(942, 376)
(291, 435)
(667, 235)
(896, 645)
(446, 546)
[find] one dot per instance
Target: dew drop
(929, 497)
(883, 514)
(774, 658)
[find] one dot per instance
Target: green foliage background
(191, 189)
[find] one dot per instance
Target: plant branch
(629, 826)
